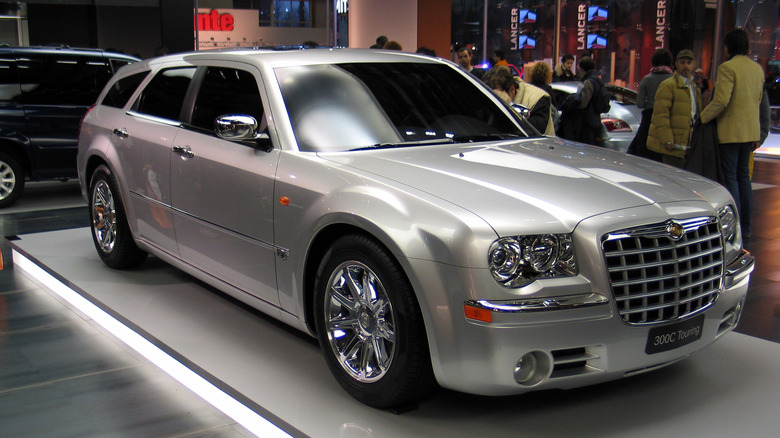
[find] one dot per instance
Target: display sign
(214, 21)
(582, 26)
(220, 28)
(660, 25)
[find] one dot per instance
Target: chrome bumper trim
(540, 304)
(739, 268)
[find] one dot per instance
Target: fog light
(532, 369)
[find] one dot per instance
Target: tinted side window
(119, 63)
(119, 93)
(226, 91)
(9, 81)
(164, 95)
(62, 79)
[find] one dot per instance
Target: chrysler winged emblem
(675, 230)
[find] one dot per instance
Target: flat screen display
(596, 13)
(525, 42)
(596, 41)
(527, 16)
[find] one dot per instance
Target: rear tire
(11, 180)
(369, 325)
(110, 230)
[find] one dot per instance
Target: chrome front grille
(664, 272)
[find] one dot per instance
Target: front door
(222, 191)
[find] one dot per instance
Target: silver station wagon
(395, 208)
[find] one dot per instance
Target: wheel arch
(89, 169)
(18, 152)
(317, 250)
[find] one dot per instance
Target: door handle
(184, 151)
(121, 133)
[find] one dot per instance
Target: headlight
(728, 223)
(519, 260)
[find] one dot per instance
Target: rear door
(12, 121)
(144, 140)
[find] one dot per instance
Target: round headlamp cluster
(728, 223)
(519, 260)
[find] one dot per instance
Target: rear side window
(121, 91)
(62, 79)
(164, 95)
(116, 64)
(9, 81)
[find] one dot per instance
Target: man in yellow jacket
(677, 103)
(735, 104)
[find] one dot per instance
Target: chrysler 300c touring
(395, 208)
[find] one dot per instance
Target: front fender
(322, 202)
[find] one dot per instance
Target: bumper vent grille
(665, 272)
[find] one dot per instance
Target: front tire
(11, 180)
(110, 230)
(369, 325)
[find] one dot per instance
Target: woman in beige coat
(677, 103)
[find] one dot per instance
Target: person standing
(661, 71)
(381, 40)
(499, 58)
(592, 131)
(464, 60)
(677, 105)
(541, 76)
(513, 90)
(563, 70)
(735, 105)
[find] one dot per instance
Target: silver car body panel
(244, 220)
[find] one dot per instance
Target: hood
(539, 184)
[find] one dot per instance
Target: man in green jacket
(677, 103)
(735, 104)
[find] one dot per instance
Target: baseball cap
(686, 54)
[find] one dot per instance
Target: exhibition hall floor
(63, 374)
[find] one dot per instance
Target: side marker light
(477, 313)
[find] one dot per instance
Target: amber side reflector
(478, 314)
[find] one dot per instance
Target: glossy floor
(62, 376)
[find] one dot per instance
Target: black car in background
(44, 93)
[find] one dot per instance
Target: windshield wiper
(484, 137)
(443, 140)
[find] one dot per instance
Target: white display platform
(731, 388)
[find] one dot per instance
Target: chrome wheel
(7, 180)
(11, 180)
(111, 233)
(103, 216)
(360, 322)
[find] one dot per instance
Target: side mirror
(243, 128)
(522, 110)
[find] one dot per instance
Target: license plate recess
(671, 336)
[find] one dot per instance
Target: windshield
(365, 105)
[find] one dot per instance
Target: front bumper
(567, 342)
